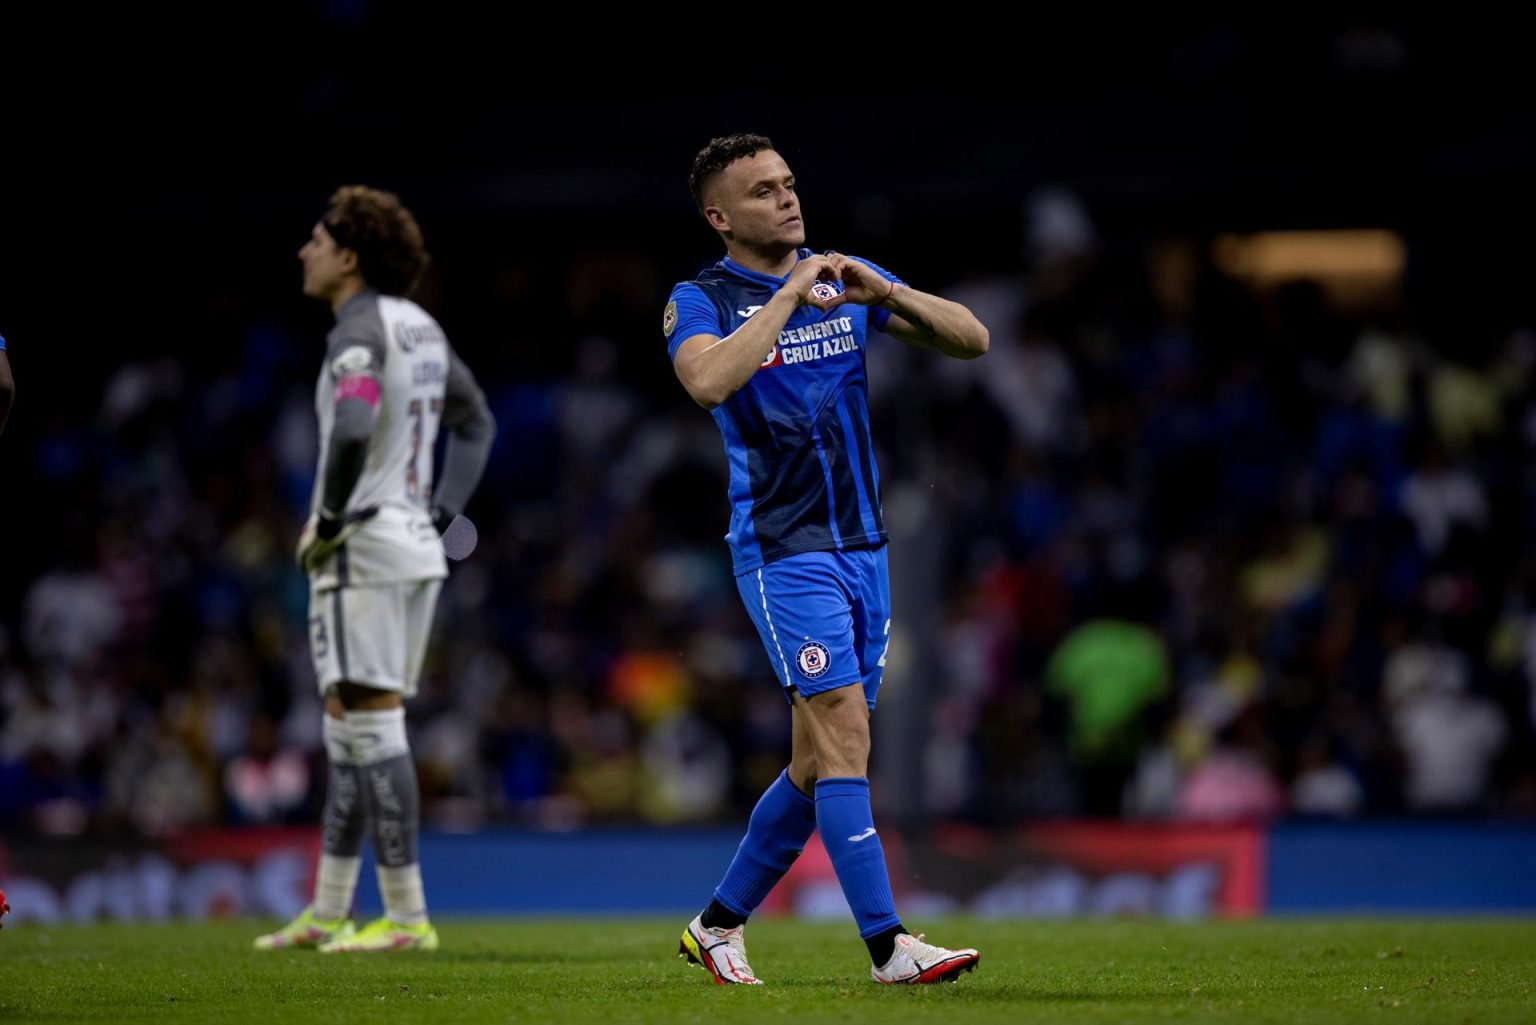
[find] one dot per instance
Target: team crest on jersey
(824, 290)
(669, 319)
(770, 360)
(814, 659)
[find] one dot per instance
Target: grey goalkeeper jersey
(419, 376)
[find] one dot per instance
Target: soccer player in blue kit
(771, 341)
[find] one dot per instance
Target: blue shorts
(824, 617)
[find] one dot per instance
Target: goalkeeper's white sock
(342, 824)
(335, 883)
(394, 810)
(404, 900)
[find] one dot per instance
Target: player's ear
(348, 260)
(717, 218)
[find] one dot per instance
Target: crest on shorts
(814, 659)
(824, 290)
(669, 318)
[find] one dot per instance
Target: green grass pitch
(623, 970)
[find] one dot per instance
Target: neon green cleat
(305, 931)
(723, 952)
(383, 936)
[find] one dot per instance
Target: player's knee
(852, 759)
(843, 752)
(850, 729)
(333, 706)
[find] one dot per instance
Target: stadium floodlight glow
(1272, 257)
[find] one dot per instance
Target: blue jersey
(802, 470)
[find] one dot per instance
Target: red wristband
(888, 294)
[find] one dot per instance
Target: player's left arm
(917, 318)
(471, 430)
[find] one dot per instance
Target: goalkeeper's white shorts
(375, 636)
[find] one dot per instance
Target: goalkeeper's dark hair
(391, 254)
(720, 154)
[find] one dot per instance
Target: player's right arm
(712, 368)
(357, 367)
(7, 386)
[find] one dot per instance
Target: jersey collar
(752, 275)
(362, 298)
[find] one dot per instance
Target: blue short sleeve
(878, 315)
(689, 312)
(2, 343)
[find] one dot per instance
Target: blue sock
(776, 834)
(848, 831)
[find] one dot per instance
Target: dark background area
(155, 194)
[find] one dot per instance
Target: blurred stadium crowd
(1203, 550)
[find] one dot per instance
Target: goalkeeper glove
(325, 532)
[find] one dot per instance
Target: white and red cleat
(914, 962)
(722, 952)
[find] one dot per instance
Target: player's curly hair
(720, 154)
(391, 254)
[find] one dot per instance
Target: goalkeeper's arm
(357, 400)
(471, 429)
(348, 451)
